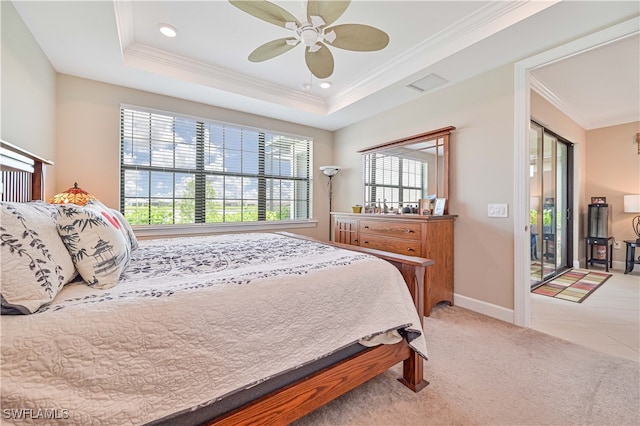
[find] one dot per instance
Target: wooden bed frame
(23, 180)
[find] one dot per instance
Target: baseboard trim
(485, 308)
(508, 315)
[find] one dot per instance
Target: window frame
(372, 187)
(200, 173)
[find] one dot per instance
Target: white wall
(28, 90)
(88, 138)
(481, 172)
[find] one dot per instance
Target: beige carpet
(488, 372)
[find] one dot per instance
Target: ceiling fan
(315, 33)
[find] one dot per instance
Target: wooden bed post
(413, 367)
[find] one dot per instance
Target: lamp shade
(632, 203)
(73, 195)
(330, 170)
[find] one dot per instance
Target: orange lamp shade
(73, 195)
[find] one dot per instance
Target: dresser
(430, 237)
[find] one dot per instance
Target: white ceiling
(119, 43)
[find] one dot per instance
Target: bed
(234, 329)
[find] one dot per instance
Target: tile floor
(608, 320)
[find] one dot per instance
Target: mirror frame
(443, 133)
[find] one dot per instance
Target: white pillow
(34, 262)
(126, 229)
(93, 238)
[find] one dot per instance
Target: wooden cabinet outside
(430, 237)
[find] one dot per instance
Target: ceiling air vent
(427, 84)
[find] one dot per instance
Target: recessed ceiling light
(168, 30)
(325, 84)
(306, 87)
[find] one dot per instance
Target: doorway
(551, 198)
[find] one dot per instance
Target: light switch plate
(498, 210)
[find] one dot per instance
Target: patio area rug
(574, 285)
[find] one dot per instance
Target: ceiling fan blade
(329, 10)
(320, 62)
(266, 11)
(358, 37)
(272, 49)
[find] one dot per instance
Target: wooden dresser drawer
(394, 245)
(407, 230)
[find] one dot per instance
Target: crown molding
(593, 41)
(476, 26)
(161, 62)
(481, 23)
(124, 22)
(557, 101)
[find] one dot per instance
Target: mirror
(398, 174)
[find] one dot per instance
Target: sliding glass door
(550, 204)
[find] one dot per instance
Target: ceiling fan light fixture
(308, 35)
(168, 30)
(313, 33)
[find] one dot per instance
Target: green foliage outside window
(161, 213)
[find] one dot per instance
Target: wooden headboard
(22, 173)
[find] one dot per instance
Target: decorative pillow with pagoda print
(95, 242)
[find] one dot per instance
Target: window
(393, 180)
(178, 170)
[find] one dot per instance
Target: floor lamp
(330, 172)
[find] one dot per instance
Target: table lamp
(632, 205)
(75, 195)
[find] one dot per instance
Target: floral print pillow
(95, 242)
(126, 229)
(35, 264)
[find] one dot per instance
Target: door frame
(522, 118)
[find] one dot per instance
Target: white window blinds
(186, 170)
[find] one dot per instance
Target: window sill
(187, 230)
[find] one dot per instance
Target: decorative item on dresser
(430, 237)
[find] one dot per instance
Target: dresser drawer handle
(355, 241)
(410, 231)
(366, 227)
(366, 242)
(410, 249)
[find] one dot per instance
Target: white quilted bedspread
(191, 320)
